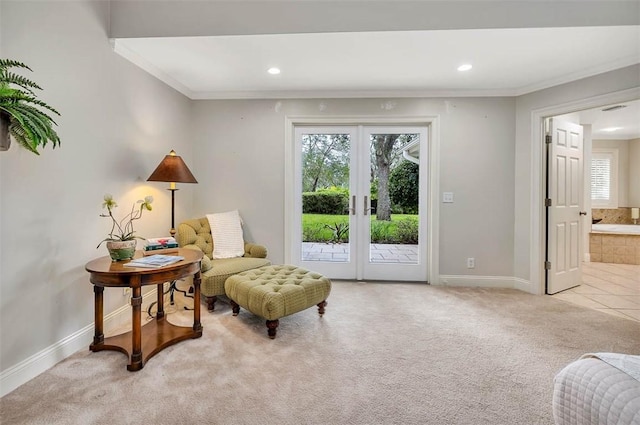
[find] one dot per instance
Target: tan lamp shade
(172, 169)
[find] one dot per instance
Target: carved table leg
(136, 329)
(98, 336)
(197, 326)
(272, 325)
(160, 302)
(321, 307)
(235, 307)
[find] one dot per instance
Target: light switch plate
(447, 197)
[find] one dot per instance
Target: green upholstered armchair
(196, 234)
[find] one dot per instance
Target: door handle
(583, 213)
(353, 203)
(366, 205)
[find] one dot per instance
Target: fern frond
(9, 93)
(21, 134)
(40, 123)
(25, 106)
(37, 126)
(35, 101)
(11, 63)
(11, 78)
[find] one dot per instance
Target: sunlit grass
(315, 228)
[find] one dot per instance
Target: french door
(361, 201)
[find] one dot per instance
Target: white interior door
(354, 242)
(564, 214)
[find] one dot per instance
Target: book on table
(154, 261)
(153, 244)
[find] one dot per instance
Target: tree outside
(386, 155)
(325, 184)
(325, 161)
(404, 187)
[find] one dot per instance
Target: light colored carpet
(382, 354)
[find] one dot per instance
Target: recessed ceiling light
(611, 129)
(274, 71)
(465, 67)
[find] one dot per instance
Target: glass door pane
(394, 194)
(394, 182)
(325, 194)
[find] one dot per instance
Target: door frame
(537, 221)
(432, 122)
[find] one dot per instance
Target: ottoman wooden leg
(235, 307)
(321, 307)
(211, 302)
(272, 325)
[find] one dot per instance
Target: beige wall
(117, 124)
(240, 147)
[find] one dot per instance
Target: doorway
(361, 201)
(610, 123)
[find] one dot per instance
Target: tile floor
(610, 288)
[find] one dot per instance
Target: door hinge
(547, 139)
(547, 202)
(547, 265)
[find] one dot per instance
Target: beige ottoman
(277, 291)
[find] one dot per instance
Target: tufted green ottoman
(277, 291)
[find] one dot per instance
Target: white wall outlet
(126, 292)
(471, 263)
(447, 197)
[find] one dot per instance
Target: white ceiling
(506, 62)
(625, 120)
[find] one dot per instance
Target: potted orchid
(121, 242)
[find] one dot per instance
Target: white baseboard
(13, 377)
(525, 286)
(485, 282)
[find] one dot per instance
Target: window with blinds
(604, 171)
(600, 179)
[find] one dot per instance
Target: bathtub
(615, 243)
(623, 229)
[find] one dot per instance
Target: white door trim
(431, 121)
(537, 220)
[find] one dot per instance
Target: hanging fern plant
(22, 114)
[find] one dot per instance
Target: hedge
(325, 202)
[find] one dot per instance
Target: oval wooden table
(137, 345)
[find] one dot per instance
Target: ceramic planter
(121, 250)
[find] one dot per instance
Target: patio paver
(380, 253)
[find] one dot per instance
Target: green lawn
(403, 228)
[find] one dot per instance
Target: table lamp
(172, 170)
